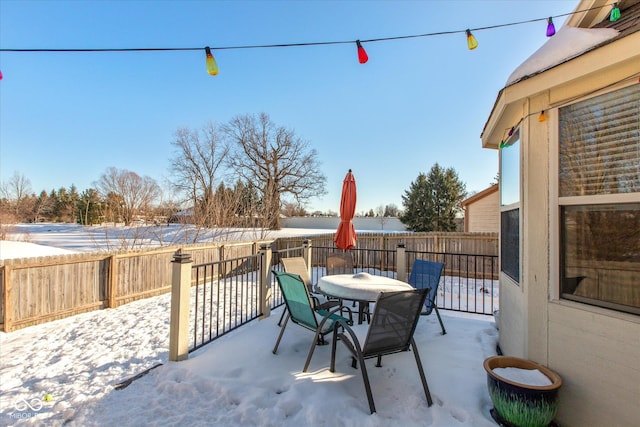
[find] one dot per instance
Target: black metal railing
(225, 295)
(469, 282)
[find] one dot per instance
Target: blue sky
(66, 117)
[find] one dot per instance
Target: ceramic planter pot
(521, 405)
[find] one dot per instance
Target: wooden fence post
(180, 303)
(265, 281)
(401, 262)
(8, 302)
(111, 282)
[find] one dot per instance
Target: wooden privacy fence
(38, 290)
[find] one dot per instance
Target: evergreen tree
(89, 207)
(433, 200)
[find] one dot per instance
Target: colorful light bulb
(362, 54)
(0, 74)
(212, 67)
(551, 29)
(615, 13)
(472, 43)
(511, 131)
(542, 117)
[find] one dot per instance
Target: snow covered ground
(66, 372)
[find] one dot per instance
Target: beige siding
(597, 357)
(596, 351)
(483, 215)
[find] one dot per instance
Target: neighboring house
(482, 211)
(570, 212)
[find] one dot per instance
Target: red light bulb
(362, 55)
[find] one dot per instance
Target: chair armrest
(352, 335)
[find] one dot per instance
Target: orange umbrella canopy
(345, 237)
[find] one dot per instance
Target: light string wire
(506, 133)
(373, 40)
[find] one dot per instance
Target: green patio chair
(426, 275)
(297, 265)
(391, 330)
(301, 312)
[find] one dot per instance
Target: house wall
(596, 351)
(513, 331)
(483, 215)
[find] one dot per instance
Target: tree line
(243, 173)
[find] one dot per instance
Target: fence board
(38, 290)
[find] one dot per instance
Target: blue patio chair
(391, 330)
(301, 311)
(426, 274)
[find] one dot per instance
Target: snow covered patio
(236, 380)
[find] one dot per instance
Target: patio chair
(339, 263)
(426, 274)
(342, 263)
(297, 265)
(391, 330)
(301, 312)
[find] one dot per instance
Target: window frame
(557, 227)
(514, 139)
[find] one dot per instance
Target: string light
(0, 74)
(472, 43)
(512, 130)
(212, 67)
(551, 29)
(615, 13)
(542, 117)
(362, 54)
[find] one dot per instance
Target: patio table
(361, 287)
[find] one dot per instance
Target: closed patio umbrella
(345, 237)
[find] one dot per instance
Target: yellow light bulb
(212, 67)
(472, 43)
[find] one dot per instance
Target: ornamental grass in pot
(524, 393)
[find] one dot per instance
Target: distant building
(482, 211)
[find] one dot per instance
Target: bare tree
(277, 161)
(129, 193)
(19, 194)
(198, 170)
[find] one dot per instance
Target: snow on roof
(568, 43)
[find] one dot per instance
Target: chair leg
(313, 347)
(367, 385)
(440, 320)
(275, 349)
(334, 342)
(427, 393)
(282, 315)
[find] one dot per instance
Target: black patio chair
(301, 312)
(391, 330)
(426, 275)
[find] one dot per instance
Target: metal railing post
(265, 281)
(401, 262)
(306, 254)
(180, 303)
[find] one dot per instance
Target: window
(599, 198)
(510, 207)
